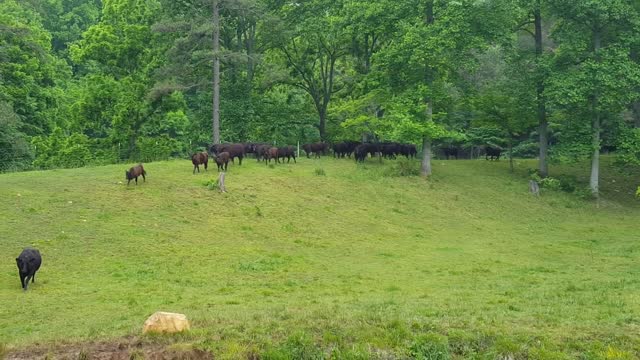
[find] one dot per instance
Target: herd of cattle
(223, 153)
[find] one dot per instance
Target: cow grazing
(134, 172)
(287, 152)
(316, 148)
(492, 153)
(234, 150)
(222, 160)
(28, 262)
(450, 151)
(199, 159)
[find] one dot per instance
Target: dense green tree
(596, 77)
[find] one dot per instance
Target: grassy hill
(356, 263)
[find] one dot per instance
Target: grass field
(354, 263)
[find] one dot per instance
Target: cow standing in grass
(492, 153)
(271, 153)
(222, 160)
(234, 150)
(134, 173)
(201, 158)
(316, 148)
(28, 262)
(287, 152)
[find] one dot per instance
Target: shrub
(403, 167)
(430, 346)
(568, 183)
(62, 150)
(211, 184)
(550, 183)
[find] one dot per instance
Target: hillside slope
(350, 257)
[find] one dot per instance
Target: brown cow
(198, 159)
(234, 150)
(222, 160)
(272, 153)
(134, 172)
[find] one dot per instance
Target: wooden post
(534, 188)
(221, 183)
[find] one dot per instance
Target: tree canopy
(100, 81)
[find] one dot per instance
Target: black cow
(408, 150)
(315, 148)
(363, 150)
(450, 151)
(261, 151)
(492, 153)
(287, 152)
(345, 148)
(28, 262)
(234, 150)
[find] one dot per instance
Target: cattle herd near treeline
(223, 153)
(29, 260)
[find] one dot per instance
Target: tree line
(102, 81)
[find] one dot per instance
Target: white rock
(166, 322)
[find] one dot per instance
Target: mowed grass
(350, 260)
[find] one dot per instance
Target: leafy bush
(568, 183)
(62, 150)
(15, 153)
(211, 184)
(403, 167)
(585, 193)
(550, 183)
(430, 346)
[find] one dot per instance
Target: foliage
(15, 152)
(62, 150)
(130, 74)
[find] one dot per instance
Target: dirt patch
(122, 349)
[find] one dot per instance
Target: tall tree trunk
(543, 165)
(511, 154)
(595, 126)
(595, 157)
(322, 125)
(425, 165)
(216, 73)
